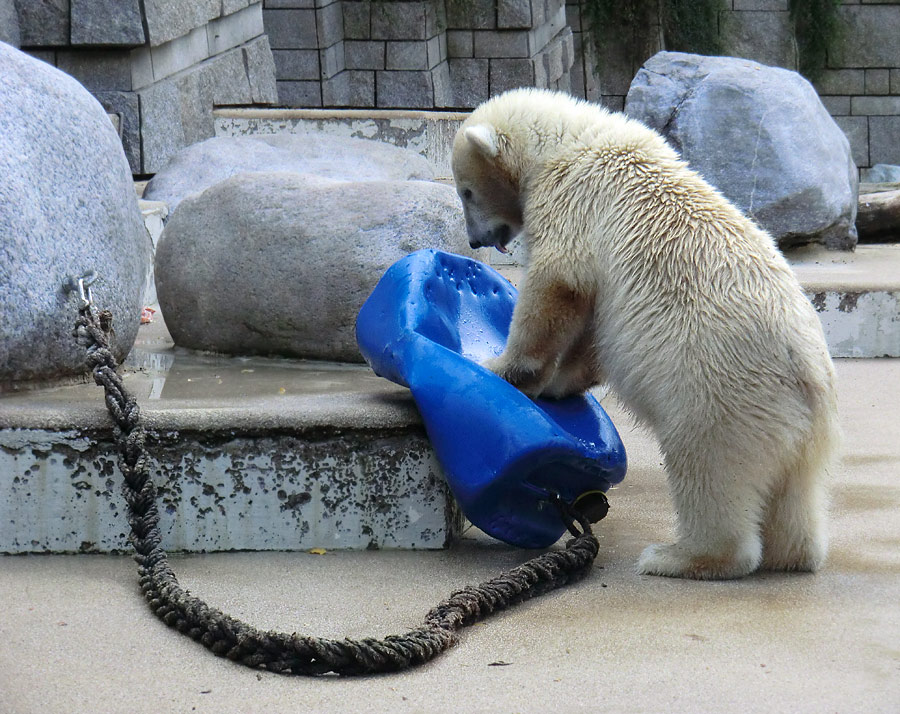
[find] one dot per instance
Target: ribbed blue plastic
(430, 321)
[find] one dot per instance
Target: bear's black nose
(502, 234)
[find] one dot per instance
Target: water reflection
(176, 373)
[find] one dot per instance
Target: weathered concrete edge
(869, 268)
(859, 323)
(269, 490)
(276, 114)
(428, 133)
(340, 412)
(60, 490)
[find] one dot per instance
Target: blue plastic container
(429, 322)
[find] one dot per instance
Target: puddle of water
(198, 378)
(181, 374)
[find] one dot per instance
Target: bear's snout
(498, 237)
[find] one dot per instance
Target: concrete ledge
(227, 490)
(857, 296)
(860, 324)
(428, 133)
(248, 454)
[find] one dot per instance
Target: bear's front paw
(525, 376)
(563, 385)
(676, 561)
(556, 390)
(497, 365)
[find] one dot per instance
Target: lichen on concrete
(227, 491)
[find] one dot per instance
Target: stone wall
(860, 85)
(161, 65)
(606, 78)
(158, 65)
(498, 46)
(415, 54)
(427, 54)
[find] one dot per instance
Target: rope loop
(298, 654)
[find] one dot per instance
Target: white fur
(643, 275)
(483, 138)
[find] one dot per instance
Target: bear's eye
(467, 194)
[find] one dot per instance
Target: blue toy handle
(432, 318)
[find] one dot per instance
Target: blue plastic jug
(429, 322)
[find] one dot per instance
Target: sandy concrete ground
(76, 636)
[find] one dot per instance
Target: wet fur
(640, 274)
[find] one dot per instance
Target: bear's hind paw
(675, 561)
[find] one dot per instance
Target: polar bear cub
(641, 275)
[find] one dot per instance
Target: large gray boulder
(761, 136)
(67, 205)
(280, 263)
(883, 173)
(9, 23)
(201, 165)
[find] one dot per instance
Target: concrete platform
(77, 637)
(256, 454)
(427, 132)
(248, 454)
(857, 295)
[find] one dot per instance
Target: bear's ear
(484, 138)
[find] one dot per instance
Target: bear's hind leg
(718, 498)
(794, 533)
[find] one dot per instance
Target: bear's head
(488, 191)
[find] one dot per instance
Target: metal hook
(83, 286)
(570, 515)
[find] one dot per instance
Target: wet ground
(77, 637)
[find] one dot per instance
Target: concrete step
(249, 454)
(857, 295)
(78, 636)
(257, 454)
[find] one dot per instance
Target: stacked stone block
(760, 30)
(861, 84)
(518, 43)
(359, 53)
(291, 29)
(418, 54)
(307, 43)
(605, 78)
(160, 66)
(9, 23)
(414, 72)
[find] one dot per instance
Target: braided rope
(274, 651)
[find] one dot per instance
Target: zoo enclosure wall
(161, 67)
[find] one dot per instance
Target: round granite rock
(883, 173)
(199, 166)
(9, 23)
(280, 263)
(67, 206)
(761, 135)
